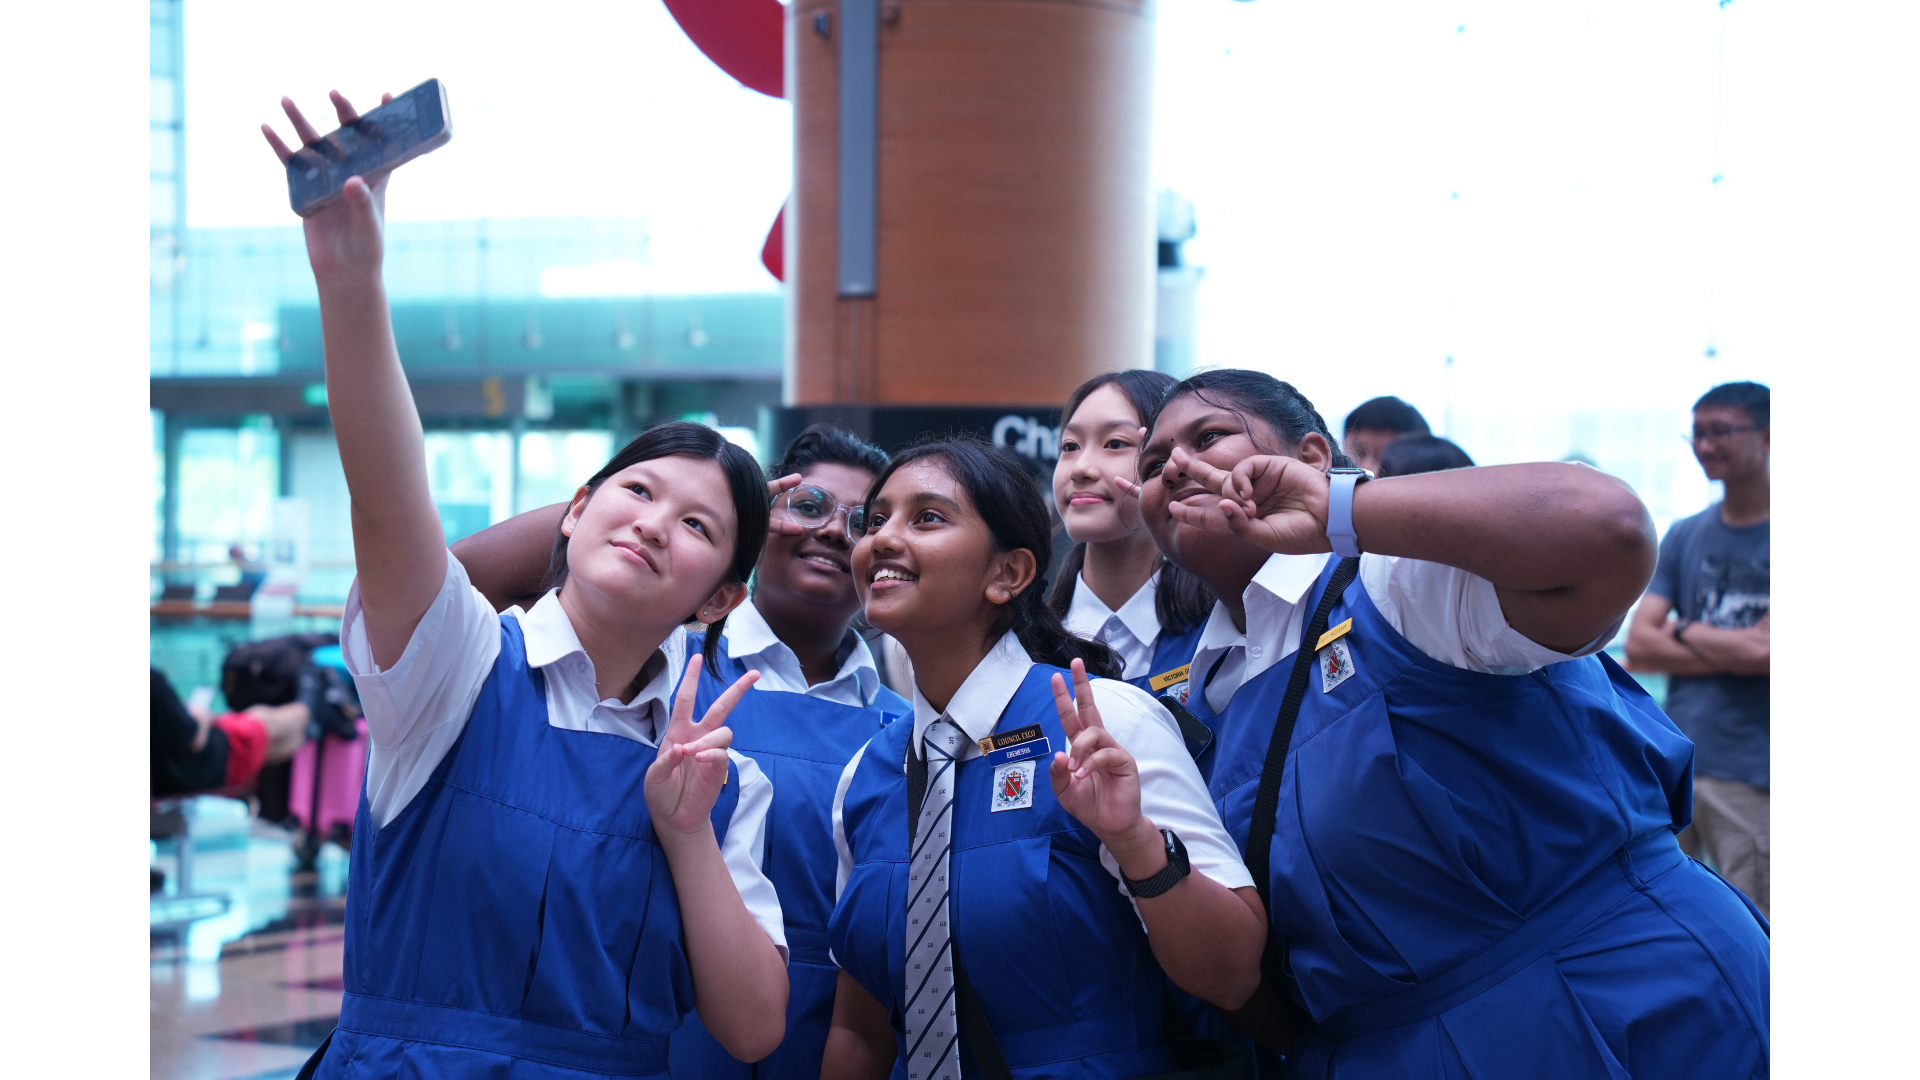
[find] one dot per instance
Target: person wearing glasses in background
(1704, 621)
(819, 700)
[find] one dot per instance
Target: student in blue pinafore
(551, 864)
(1033, 813)
(1471, 868)
(818, 701)
(1115, 587)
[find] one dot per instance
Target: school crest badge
(1013, 786)
(1336, 665)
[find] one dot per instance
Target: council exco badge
(1013, 786)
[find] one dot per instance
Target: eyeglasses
(1716, 433)
(815, 508)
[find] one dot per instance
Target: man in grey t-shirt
(1712, 579)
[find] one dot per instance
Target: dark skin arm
(508, 562)
(1567, 548)
(860, 1044)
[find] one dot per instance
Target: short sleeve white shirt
(752, 642)
(1132, 631)
(1445, 612)
(1172, 795)
(416, 710)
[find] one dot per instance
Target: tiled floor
(247, 992)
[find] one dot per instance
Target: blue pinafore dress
(803, 744)
(1055, 952)
(1475, 875)
(517, 919)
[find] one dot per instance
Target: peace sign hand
(343, 240)
(1095, 778)
(686, 776)
(1277, 503)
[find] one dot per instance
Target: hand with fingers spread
(1277, 503)
(686, 776)
(781, 523)
(343, 240)
(1095, 778)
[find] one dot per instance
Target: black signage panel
(1032, 431)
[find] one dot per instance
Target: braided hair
(1008, 501)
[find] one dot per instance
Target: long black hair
(825, 444)
(745, 482)
(1244, 392)
(1004, 495)
(1180, 600)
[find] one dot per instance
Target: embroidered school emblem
(1013, 786)
(1336, 665)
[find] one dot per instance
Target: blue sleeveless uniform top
(1476, 875)
(517, 918)
(803, 744)
(1053, 948)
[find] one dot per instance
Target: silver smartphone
(383, 139)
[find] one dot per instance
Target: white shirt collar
(982, 697)
(748, 635)
(550, 638)
(1088, 614)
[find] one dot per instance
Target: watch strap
(1340, 485)
(1178, 866)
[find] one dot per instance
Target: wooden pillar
(1014, 255)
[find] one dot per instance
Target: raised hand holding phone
(684, 781)
(344, 239)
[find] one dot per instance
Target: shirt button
(1254, 652)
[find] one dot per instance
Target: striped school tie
(933, 1051)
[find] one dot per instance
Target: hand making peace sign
(685, 778)
(1094, 778)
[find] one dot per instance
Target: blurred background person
(193, 750)
(1376, 423)
(1704, 622)
(1411, 454)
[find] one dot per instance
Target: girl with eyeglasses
(818, 700)
(1460, 813)
(553, 863)
(1028, 859)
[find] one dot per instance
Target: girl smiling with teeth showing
(1021, 864)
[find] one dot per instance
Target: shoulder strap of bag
(967, 1009)
(1267, 802)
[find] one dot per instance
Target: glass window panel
(470, 476)
(553, 465)
(228, 481)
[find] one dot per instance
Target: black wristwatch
(1177, 867)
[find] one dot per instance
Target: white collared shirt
(1445, 612)
(752, 642)
(417, 708)
(1172, 795)
(1132, 631)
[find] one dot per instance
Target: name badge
(1031, 750)
(1160, 682)
(1005, 739)
(1013, 786)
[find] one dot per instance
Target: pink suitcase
(343, 767)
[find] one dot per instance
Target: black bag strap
(1266, 804)
(971, 1015)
